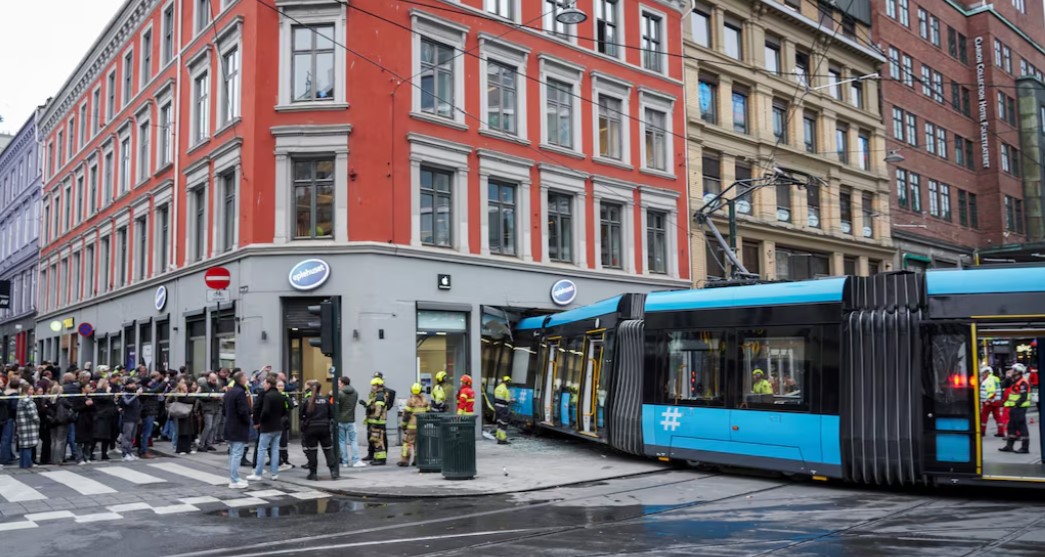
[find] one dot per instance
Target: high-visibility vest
(989, 389)
(502, 396)
(1015, 395)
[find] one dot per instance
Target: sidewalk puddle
(326, 505)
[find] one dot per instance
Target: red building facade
(439, 159)
(968, 188)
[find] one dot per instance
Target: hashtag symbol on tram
(671, 419)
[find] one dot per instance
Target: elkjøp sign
(309, 274)
(564, 292)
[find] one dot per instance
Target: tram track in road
(273, 547)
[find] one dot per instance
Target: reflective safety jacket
(376, 410)
(762, 387)
(501, 395)
(989, 389)
(1019, 396)
(415, 405)
(466, 401)
(438, 398)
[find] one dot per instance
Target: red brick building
(442, 163)
(968, 187)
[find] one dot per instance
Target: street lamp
(894, 157)
(571, 15)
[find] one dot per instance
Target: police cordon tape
(167, 394)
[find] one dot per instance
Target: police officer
(466, 398)
(502, 400)
(760, 385)
(1018, 402)
(316, 415)
(440, 392)
(376, 418)
(415, 405)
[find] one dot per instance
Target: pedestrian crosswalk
(34, 490)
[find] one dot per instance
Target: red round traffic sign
(217, 278)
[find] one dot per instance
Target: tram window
(521, 355)
(951, 373)
(776, 366)
(697, 363)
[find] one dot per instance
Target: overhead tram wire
(547, 156)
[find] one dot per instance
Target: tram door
(949, 400)
(589, 396)
(547, 383)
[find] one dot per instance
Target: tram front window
(775, 366)
(697, 361)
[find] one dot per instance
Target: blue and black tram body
(864, 379)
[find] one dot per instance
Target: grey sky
(41, 42)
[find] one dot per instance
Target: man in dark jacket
(151, 404)
(237, 426)
(346, 424)
(269, 410)
(210, 404)
(75, 402)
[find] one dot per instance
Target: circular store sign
(309, 274)
(564, 292)
(160, 298)
(85, 329)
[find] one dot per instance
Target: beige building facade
(773, 84)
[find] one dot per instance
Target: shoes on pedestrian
(181, 453)
(359, 464)
(209, 448)
(1022, 450)
(368, 458)
(335, 473)
(81, 463)
(275, 476)
(378, 463)
(1006, 449)
(105, 457)
(504, 443)
(239, 485)
(285, 467)
(193, 451)
(312, 476)
(253, 477)
(999, 435)
(403, 463)
(127, 458)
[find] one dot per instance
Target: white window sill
(199, 145)
(142, 181)
(612, 162)
(562, 151)
(315, 105)
(227, 125)
(425, 117)
(163, 168)
(502, 135)
(658, 173)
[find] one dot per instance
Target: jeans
(207, 437)
(236, 449)
(268, 442)
(348, 430)
(7, 436)
(25, 458)
(173, 432)
(127, 440)
(74, 448)
(147, 424)
(59, 439)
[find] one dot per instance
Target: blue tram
(864, 379)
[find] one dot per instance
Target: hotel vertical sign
(981, 97)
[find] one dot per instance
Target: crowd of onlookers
(53, 417)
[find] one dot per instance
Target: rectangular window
(901, 187)
(314, 199)
(809, 132)
(144, 150)
(813, 205)
(740, 115)
(199, 223)
(107, 181)
(1007, 58)
(963, 210)
(780, 121)
(934, 30)
(908, 70)
(923, 23)
(652, 42)
(894, 63)
(83, 126)
(974, 217)
(96, 111)
(167, 51)
(61, 150)
(656, 140)
(559, 113)
(783, 203)
(88, 272)
(898, 124)
(927, 81)
(696, 373)
(845, 210)
(890, 8)
(146, 69)
(934, 199)
(867, 205)
(834, 76)
(959, 151)
(503, 8)
(312, 70)
(202, 14)
(701, 20)
(140, 248)
(708, 98)
(863, 150)
(969, 161)
(965, 101)
(711, 168)
(963, 49)
(501, 212)
(657, 242)
(228, 212)
(930, 137)
(128, 77)
(92, 189)
(610, 127)
(230, 97)
(777, 364)
(121, 256)
(104, 264)
(201, 108)
(916, 192)
(905, 13)
(552, 8)
(125, 165)
(560, 227)
(163, 239)
(997, 53)
(110, 102)
(842, 142)
(610, 230)
(502, 97)
(166, 135)
(856, 94)
(772, 55)
(802, 68)
(733, 37)
(941, 142)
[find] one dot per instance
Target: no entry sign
(217, 278)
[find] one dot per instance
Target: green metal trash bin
(458, 447)
(428, 442)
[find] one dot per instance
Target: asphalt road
(674, 512)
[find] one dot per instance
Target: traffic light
(329, 325)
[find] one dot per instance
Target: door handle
(736, 428)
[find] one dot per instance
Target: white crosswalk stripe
(191, 473)
(16, 492)
(85, 486)
(133, 476)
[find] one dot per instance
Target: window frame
(653, 59)
(608, 43)
(448, 34)
(230, 92)
(201, 87)
(313, 184)
(660, 102)
(509, 55)
(309, 15)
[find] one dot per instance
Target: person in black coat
(269, 410)
(105, 415)
(317, 414)
(236, 408)
(151, 405)
(85, 426)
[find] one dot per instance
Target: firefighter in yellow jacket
(441, 392)
(416, 404)
(376, 418)
(502, 400)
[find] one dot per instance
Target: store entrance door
(307, 362)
